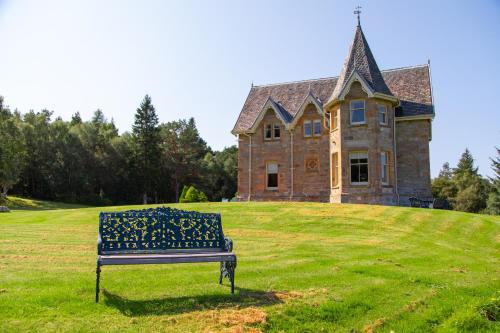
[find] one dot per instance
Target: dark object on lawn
(4, 209)
(163, 236)
(429, 203)
(440, 204)
(420, 203)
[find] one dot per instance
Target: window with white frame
(272, 131)
(358, 111)
(272, 175)
(382, 114)
(307, 128)
(317, 127)
(359, 167)
(268, 132)
(335, 169)
(384, 168)
(277, 131)
(335, 121)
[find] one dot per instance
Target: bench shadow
(242, 298)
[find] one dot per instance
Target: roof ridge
(402, 68)
(333, 77)
(297, 81)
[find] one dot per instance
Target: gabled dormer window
(358, 112)
(307, 128)
(272, 131)
(277, 131)
(317, 127)
(268, 132)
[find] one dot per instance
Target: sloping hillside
(301, 267)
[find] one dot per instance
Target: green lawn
(32, 204)
(302, 267)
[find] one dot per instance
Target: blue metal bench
(163, 236)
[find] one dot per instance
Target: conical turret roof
(360, 60)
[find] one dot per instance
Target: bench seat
(171, 258)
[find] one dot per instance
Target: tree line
(465, 189)
(90, 162)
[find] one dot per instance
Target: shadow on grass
(176, 305)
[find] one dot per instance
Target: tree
(220, 173)
(183, 193)
(493, 203)
(12, 150)
(183, 150)
(146, 135)
(194, 195)
(442, 186)
(76, 119)
(472, 189)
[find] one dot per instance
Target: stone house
(361, 137)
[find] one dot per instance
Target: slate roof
(411, 85)
(360, 59)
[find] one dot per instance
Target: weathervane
(357, 12)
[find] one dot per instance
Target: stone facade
(313, 172)
(324, 153)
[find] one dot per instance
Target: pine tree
(147, 138)
(446, 171)
(493, 204)
(442, 186)
(76, 119)
(472, 188)
(466, 164)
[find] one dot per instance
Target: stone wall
(312, 158)
(412, 144)
(311, 164)
(371, 137)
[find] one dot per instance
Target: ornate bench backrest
(159, 230)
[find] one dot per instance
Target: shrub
(182, 198)
(193, 195)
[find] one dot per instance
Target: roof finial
(357, 12)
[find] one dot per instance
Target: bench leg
(227, 269)
(97, 278)
(233, 268)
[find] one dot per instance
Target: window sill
(363, 184)
(271, 188)
(357, 124)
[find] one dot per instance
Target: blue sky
(199, 58)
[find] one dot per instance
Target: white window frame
(274, 131)
(304, 128)
(385, 114)
(267, 176)
(265, 131)
(352, 111)
(316, 121)
(351, 155)
(335, 170)
(384, 168)
(335, 119)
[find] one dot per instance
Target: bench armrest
(228, 244)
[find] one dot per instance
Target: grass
(302, 267)
(17, 203)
